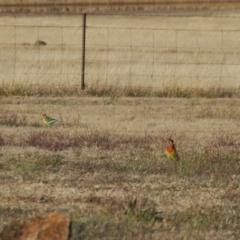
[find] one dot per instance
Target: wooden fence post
(83, 50)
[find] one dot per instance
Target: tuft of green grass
(148, 215)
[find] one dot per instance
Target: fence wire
(116, 56)
(161, 58)
(40, 55)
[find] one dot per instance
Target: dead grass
(105, 165)
(13, 120)
(112, 91)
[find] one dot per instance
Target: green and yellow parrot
(48, 120)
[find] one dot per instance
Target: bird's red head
(44, 115)
(170, 141)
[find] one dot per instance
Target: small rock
(40, 43)
(53, 226)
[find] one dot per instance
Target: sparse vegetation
(103, 162)
(114, 92)
(105, 165)
(12, 120)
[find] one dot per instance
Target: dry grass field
(104, 164)
(156, 52)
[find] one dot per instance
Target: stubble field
(104, 164)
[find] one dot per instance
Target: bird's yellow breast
(170, 152)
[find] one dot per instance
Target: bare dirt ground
(108, 152)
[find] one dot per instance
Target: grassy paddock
(104, 164)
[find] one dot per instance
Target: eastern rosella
(171, 151)
(48, 120)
